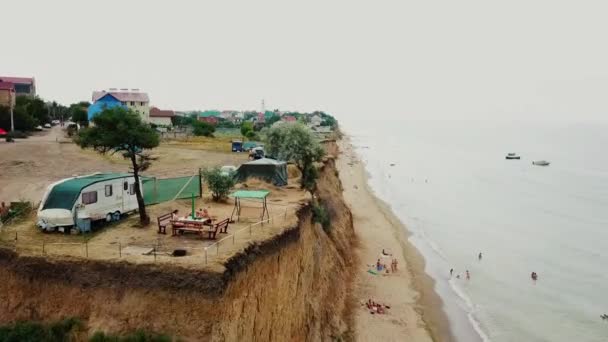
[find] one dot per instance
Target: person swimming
(534, 276)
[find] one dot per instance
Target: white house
(161, 117)
(316, 120)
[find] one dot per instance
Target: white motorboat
(541, 163)
(512, 156)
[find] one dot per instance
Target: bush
(139, 336)
(320, 214)
(16, 135)
(203, 129)
(17, 211)
(34, 332)
(219, 183)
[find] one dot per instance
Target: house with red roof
(7, 94)
(23, 85)
(161, 117)
(289, 118)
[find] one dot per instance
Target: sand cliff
(295, 286)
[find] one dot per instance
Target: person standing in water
(451, 272)
(479, 256)
(468, 275)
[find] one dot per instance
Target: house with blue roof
(105, 102)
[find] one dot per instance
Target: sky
(435, 60)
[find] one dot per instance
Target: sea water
(458, 196)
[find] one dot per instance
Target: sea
(450, 184)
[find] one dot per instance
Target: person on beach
(378, 266)
(468, 275)
(534, 276)
(174, 216)
(479, 256)
(451, 272)
(395, 263)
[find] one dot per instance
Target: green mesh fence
(164, 190)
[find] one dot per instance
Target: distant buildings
(133, 99)
(23, 85)
(161, 117)
(316, 121)
(7, 94)
(289, 118)
(210, 116)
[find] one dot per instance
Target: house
(209, 119)
(107, 101)
(7, 94)
(161, 117)
(133, 99)
(210, 116)
(289, 118)
(316, 120)
(23, 85)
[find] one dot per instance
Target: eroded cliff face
(293, 287)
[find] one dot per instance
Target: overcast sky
(465, 59)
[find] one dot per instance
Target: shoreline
(416, 309)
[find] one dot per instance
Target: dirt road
(28, 166)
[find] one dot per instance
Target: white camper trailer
(78, 201)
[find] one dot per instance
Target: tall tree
(296, 142)
(120, 130)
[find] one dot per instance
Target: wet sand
(415, 312)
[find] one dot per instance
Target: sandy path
(378, 229)
(28, 166)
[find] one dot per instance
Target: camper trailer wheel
(109, 217)
(116, 216)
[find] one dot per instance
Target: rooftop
(159, 113)
(17, 80)
(7, 86)
(123, 95)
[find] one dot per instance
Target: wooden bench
(222, 226)
(163, 222)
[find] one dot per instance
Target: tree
(202, 128)
(296, 142)
(247, 129)
(219, 183)
(271, 120)
(120, 130)
(79, 114)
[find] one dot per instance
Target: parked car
(47, 125)
(38, 128)
(55, 122)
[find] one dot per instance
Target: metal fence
(158, 252)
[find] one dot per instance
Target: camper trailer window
(89, 197)
(132, 189)
(108, 190)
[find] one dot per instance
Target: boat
(512, 156)
(541, 163)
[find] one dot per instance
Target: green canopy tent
(256, 195)
(270, 170)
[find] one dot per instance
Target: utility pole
(10, 101)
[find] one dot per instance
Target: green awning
(256, 194)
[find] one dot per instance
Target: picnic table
(188, 223)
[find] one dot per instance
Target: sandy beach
(415, 312)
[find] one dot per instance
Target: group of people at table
(201, 215)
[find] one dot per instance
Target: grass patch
(34, 332)
(320, 214)
(138, 336)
